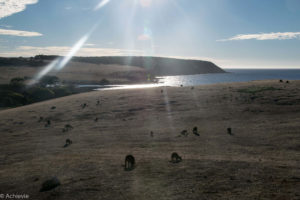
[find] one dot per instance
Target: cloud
(28, 51)
(10, 7)
(265, 36)
(19, 33)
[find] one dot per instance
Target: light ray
(101, 4)
(73, 51)
(45, 71)
(168, 109)
(59, 63)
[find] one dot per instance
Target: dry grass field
(78, 72)
(260, 160)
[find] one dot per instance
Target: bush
(17, 84)
(49, 80)
(36, 94)
(61, 91)
(17, 80)
(104, 82)
(11, 99)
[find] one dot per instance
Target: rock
(50, 184)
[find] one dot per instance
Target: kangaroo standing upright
(129, 163)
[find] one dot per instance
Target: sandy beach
(260, 160)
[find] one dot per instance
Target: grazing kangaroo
(129, 163)
(195, 131)
(48, 123)
(184, 133)
(41, 119)
(68, 126)
(175, 158)
(68, 142)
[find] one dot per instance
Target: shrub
(104, 82)
(61, 91)
(49, 80)
(16, 80)
(17, 85)
(11, 99)
(36, 94)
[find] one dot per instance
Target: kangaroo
(151, 134)
(229, 131)
(175, 158)
(41, 119)
(184, 133)
(98, 102)
(48, 123)
(129, 163)
(68, 126)
(68, 142)
(83, 105)
(195, 131)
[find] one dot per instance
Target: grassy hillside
(93, 69)
(259, 160)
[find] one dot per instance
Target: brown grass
(78, 72)
(259, 161)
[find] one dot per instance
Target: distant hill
(156, 65)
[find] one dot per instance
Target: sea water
(232, 75)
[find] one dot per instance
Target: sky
(230, 33)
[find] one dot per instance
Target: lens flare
(101, 4)
(60, 63)
(45, 71)
(73, 51)
(145, 3)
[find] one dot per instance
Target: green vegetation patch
(254, 90)
(17, 94)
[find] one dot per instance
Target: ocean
(232, 75)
